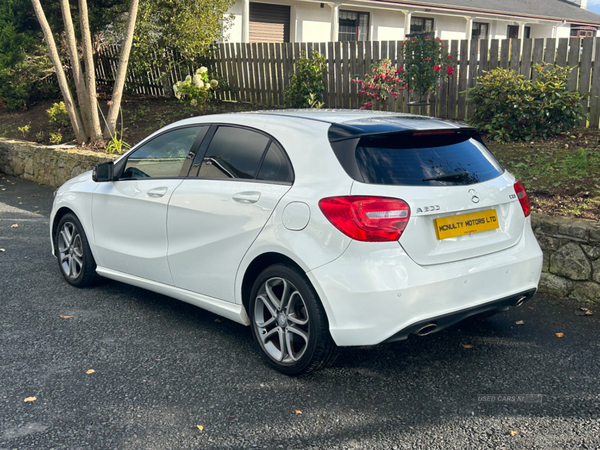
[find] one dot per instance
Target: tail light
(523, 198)
(371, 219)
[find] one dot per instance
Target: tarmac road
(167, 375)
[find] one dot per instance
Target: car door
(219, 210)
(130, 214)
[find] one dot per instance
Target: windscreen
(425, 159)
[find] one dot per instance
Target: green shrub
(308, 78)
(58, 114)
(509, 107)
(56, 138)
(196, 89)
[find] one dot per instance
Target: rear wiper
(448, 176)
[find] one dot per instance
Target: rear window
(425, 159)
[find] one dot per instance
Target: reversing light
(523, 198)
(365, 218)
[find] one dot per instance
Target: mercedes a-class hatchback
(318, 229)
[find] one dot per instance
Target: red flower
(437, 68)
(450, 57)
(450, 70)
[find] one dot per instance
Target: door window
(236, 152)
(164, 156)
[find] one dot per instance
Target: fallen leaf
(15, 225)
(2, 250)
(513, 432)
(559, 334)
(467, 345)
(90, 371)
(530, 307)
(30, 399)
(217, 320)
(584, 312)
(298, 411)
(520, 322)
(64, 317)
(200, 427)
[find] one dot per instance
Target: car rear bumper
(374, 292)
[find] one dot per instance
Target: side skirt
(231, 311)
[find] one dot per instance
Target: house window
(353, 26)
(582, 31)
(480, 30)
(421, 26)
(513, 32)
(269, 23)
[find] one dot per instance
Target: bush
(308, 78)
(196, 89)
(425, 64)
(509, 107)
(381, 85)
(58, 114)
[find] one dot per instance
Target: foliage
(196, 89)
(56, 138)
(424, 63)
(509, 107)
(307, 79)
(187, 27)
(116, 144)
(382, 84)
(58, 114)
(26, 74)
(313, 102)
(24, 129)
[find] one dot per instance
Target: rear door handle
(246, 197)
(157, 192)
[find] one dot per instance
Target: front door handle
(246, 197)
(157, 192)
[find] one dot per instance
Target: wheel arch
(60, 213)
(257, 265)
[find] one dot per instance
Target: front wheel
(289, 322)
(75, 258)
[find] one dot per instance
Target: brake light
(371, 219)
(523, 197)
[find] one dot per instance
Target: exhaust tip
(521, 300)
(427, 329)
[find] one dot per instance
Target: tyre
(75, 259)
(289, 322)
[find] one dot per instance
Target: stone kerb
(46, 164)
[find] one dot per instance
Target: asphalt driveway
(117, 367)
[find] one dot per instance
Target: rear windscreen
(430, 160)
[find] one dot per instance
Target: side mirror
(103, 172)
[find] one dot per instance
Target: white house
(356, 20)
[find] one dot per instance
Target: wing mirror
(103, 172)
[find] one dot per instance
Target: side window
(275, 166)
(233, 153)
(164, 156)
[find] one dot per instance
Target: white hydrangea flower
(198, 80)
(188, 79)
(202, 69)
(214, 83)
(207, 85)
(193, 102)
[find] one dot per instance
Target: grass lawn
(562, 175)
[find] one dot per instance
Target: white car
(317, 228)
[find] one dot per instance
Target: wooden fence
(260, 72)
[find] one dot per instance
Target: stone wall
(571, 247)
(571, 257)
(43, 164)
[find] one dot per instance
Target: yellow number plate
(447, 227)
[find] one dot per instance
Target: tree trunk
(82, 94)
(95, 130)
(60, 73)
(117, 94)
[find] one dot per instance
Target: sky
(594, 6)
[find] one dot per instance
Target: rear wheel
(75, 258)
(289, 322)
